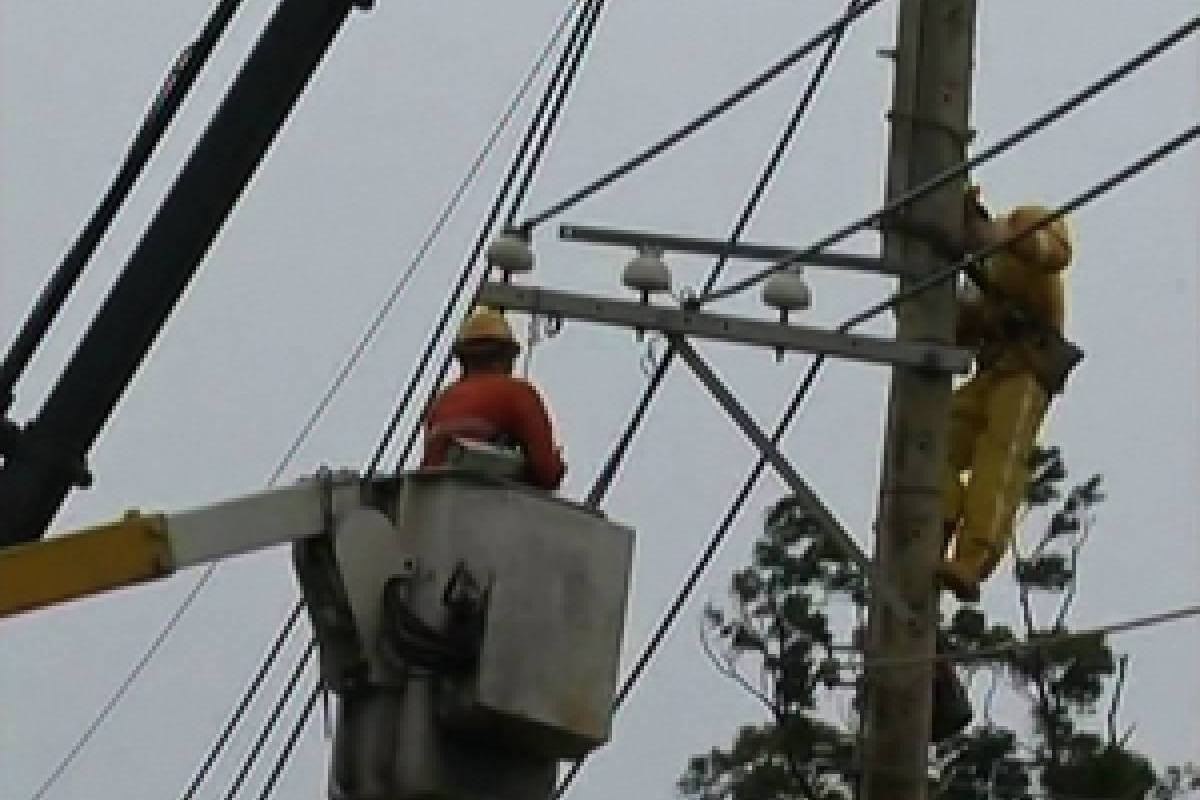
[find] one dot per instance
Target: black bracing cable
(272, 720)
(552, 102)
(1008, 142)
(608, 472)
(571, 53)
(247, 696)
(809, 379)
(175, 88)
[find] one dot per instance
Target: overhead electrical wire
(541, 127)
(264, 734)
(244, 703)
(608, 471)
(672, 139)
(1046, 119)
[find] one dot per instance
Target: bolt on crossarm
(929, 133)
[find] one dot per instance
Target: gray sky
(374, 148)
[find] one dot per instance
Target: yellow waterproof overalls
(996, 415)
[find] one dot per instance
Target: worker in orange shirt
(487, 404)
(996, 415)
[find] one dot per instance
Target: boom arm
(144, 547)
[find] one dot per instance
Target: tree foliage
(774, 639)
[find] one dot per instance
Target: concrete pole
(929, 117)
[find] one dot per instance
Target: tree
(777, 627)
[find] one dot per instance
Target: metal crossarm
(726, 328)
(748, 251)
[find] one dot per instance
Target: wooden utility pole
(929, 133)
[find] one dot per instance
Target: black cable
(286, 753)
(247, 696)
(809, 379)
(608, 472)
(939, 180)
(518, 199)
(272, 719)
(574, 45)
(669, 141)
(158, 118)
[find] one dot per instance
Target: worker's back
(500, 409)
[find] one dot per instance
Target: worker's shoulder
(1031, 215)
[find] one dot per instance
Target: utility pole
(929, 133)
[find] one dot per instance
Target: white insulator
(787, 290)
(647, 272)
(510, 252)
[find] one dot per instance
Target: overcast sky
(404, 99)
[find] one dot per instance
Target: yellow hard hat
(485, 324)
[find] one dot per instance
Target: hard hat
(485, 324)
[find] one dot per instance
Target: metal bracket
(739, 250)
(722, 327)
(829, 524)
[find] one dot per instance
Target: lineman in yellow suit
(996, 415)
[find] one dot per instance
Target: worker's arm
(1048, 248)
(536, 435)
(140, 547)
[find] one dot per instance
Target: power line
(265, 733)
(123, 689)
(244, 703)
(286, 753)
(672, 139)
(608, 472)
(1045, 120)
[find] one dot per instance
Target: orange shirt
(491, 406)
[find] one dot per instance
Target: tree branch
(729, 671)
